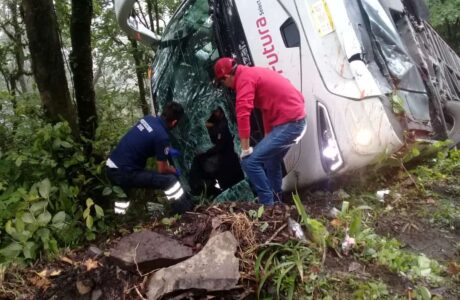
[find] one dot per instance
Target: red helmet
(224, 66)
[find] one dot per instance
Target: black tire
(452, 116)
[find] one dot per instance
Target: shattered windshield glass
(380, 32)
(398, 60)
(183, 73)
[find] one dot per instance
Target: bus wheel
(452, 116)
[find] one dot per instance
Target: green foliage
(397, 104)
(117, 113)
(444, 165)
(286, 265)
(445, 214)
(316, 231)
(444, 16)
(33, 226)
(440, 177)
(44, 175)
(370, 290)
(372, 248)
(388, 253)
(170, 221)
(256, 215)
(91, 218)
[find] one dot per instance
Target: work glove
(173, 152)
(178, 172)
(246, 153)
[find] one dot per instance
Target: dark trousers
(128, 179)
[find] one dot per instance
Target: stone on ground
(150, 250)
(214, 268)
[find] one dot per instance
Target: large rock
(150, 250)
(214, 268)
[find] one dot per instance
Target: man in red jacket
(283, 114)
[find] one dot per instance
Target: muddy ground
(88, 269)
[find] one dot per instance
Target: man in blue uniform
(149, 138)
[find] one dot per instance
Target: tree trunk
(140, 77)
(157, 16)
(13, 92)
(47, 61)
(14, 31)
(18, 46)
(81, 64)
(150, 14)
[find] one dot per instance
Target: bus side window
(290, 34)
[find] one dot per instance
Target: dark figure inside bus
(219, 167)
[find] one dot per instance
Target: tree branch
(9, 34)
(143, 20)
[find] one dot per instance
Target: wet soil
(419, 236)
(343, 267)
(81, 270)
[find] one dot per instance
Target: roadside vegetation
(383, 263)
(48, 184)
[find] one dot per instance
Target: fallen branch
(275, 234)
(410, 176)
(139, 293)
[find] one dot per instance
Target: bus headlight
(363, 137)
(331, 158)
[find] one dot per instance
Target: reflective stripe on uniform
(121, 207)
(109, 163)
(119, 211)
(174, 192)
(177, 195)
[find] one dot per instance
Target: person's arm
(244, 144)
(161, 153)
(244, 106)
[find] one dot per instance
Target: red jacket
(279, 101)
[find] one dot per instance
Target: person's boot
(181, 205)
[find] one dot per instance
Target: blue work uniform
(126, 164)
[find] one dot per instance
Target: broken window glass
(183, 72)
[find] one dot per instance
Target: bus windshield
(183, 72)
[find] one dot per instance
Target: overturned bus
(374, 74)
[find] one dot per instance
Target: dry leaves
(336, 223)
(67, 260)
(453, 268)
(91, 264)
(430, 201)
(49, 273)
(40, 282)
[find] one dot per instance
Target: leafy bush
(48, 181)
(42, 178)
